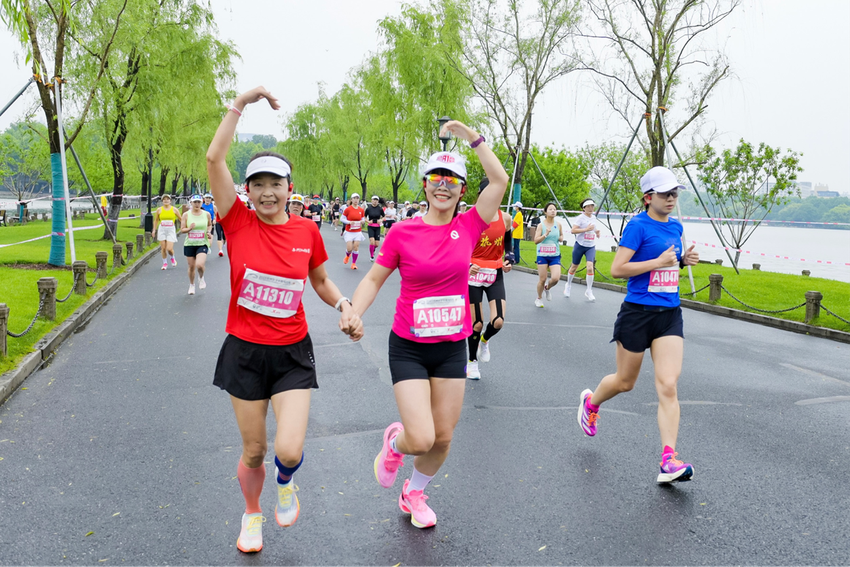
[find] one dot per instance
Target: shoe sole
(581, 412)
(413, 521)
(591, 299)
(683, 475)
(252, 550)
(378, 458)
(297, 513)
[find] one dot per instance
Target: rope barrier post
(129, 251)
(100, 259)
(140, 243)
(116, 255)
(715, 282)
(47, 289)
(807, 273)
(813, 299)
(4, 327)
(148, 239)
(79, 267)
(757, 267)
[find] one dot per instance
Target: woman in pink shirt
(427, 345)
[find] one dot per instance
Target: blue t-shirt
(649, 239)
(210, 209)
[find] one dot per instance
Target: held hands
(668, 258)
(350, 323)
(460, 130)
(255, 95)
(691, 257)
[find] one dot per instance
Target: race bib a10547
(438, 316)
(664, 280)
(269, 295)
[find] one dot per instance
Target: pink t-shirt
(433, 262)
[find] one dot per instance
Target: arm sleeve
(509, 242)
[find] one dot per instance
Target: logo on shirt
(305, 250)
(455, 235)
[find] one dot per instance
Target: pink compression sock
(591, 407)
(348, 252)
(372, 250)
(354, 257)
(251, 481)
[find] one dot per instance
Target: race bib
(355, 225)
(548, 250)
(167, 223)
(484, 278)
(316, 217)
(268, 295)
(664, 280)
(590, 236)
(196, 234)
(438, 316)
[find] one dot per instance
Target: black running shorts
(410, 360)
(249, 371)
(193, 251)
(638, 325)
(495, 292)
(374, 232)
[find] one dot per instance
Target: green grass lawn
(18, 287)
(87, 242)
(765, 290)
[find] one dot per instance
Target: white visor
(268, 164)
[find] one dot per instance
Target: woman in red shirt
(268, 355)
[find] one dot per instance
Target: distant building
(827, 194)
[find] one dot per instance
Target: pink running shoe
(388, 461)
(413, 503)
(674, 470)
(586, 417)
(173, 261)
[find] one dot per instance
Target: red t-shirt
(268, 265)
(355, 217)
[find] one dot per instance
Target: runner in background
(427, 346)
(267, 356)
(374, 217)
(491, 259)
(390, 216)
(315, 209)
(295, 206)
(423, 210)
(587, 235)
(164, 219)
(548, 237)
(462, 207)
(335, 213)
(197, 224)
(352, 218)
(650, 256)
(518, 225)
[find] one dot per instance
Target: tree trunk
(163, 177)
(174, 183)
(115, 148)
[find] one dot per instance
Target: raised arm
(221, 182)
(489, 201)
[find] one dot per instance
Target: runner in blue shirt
(650, 255)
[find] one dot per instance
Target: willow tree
(645, 53)
(47, 32)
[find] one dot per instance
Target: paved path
(123, 435)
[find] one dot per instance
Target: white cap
(446, 160)
(375, 197)
(659, 179)
(423, 203)
(355, 195)
(518, 204)
(268, 164)
(462, 204)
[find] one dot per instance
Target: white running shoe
(191, 289)
(548, 293)
(164, 265)
(589, 295)
(202, 284)
(472, 372)
(251, 537)
(538, 303)
(287, 508)
(484, 351)
(567, 290)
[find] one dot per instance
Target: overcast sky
(791, 61)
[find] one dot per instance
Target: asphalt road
(122, 451)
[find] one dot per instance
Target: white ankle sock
(392, 444)
(418, 481)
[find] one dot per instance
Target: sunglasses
(673, 193)
(450, 181)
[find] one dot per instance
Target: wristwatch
(339, 301)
